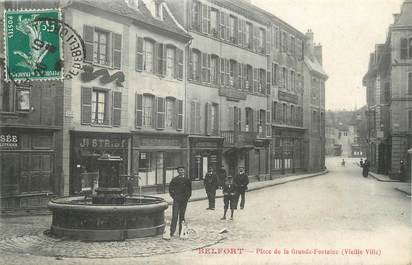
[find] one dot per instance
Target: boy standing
(229, 197)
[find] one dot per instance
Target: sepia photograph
(240, 132)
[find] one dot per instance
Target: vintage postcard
(205, 132)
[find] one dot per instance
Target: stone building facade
(389, 98)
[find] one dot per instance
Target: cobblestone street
(335, 211)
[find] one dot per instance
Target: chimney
(318, 53)
(395, 18)
(309, 42)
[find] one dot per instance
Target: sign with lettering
(284, 96)
(101, 142)
(152, 141)
(9, 141)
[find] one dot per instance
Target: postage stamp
(33, 50)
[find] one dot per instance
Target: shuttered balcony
(238, 138)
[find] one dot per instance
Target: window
(248, 35)
(284, 113)
(249, 78)
(99, 107)
(170, 62)
(205, 67)
(262, 80)
(233, 29)
(101, 47)
(158, 10)
(409, 83)
(195, 117)
(262, 40)
(214, 22)
(284, 42)
(249, 120)
(170, 113)
(274, 108)
(205, 19)
(148, 55)
(233, 72)
(214, 69)
(196, 15)
(284, 78)
(292, 81)
(195, 65)
(292, 115)
(292, 46)
(410, 120)
(148, 104)
(212, 119)
(7, 94)
(275, 74)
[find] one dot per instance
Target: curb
(383, 180)
(403, 191)
(265, 186)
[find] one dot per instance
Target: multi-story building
(227, 85)
(389, 98)
(130, 100)
(314, 104)
(30, 135)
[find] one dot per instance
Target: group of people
(180, 189)
(365, 167)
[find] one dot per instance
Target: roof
(315, 66)
(405, 18)
(140, 15)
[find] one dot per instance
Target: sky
(348, 31)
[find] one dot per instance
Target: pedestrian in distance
(241, 181)
(343, 162)
(180, 189)
(361, 162)
(229, 197)
(365, 168)
(210, 182)
(401, 170)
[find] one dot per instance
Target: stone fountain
(107, 215)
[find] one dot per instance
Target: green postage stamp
(33, 48)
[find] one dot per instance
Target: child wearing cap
(229, 197)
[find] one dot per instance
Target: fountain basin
(79, 218)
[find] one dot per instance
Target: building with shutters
(388, 84)
(227, 91)
(129, 100)
(30, 136)
(314, 104)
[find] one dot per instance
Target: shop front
(204, 152)
(155, 158)
(86, 148)
(29, 167)
(288, 151)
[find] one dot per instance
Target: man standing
(365, 168)
(180, 189)
(210, 183)
(241, 181)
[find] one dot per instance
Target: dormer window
(158, 10)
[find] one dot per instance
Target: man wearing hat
(180, 189)
(211, 184)
(229, 197)
(241, 181)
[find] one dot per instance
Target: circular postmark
(74, 42)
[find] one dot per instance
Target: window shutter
(227, 26)
(240, 32)
(204, 67)
(216, 106)
(268, 124)
(244, 76)
(239, 119)
(222, 72)
(160, 115)
(157, 56)
(179, 114)
(208, 119)
(139, 54)
(410, 83)
(179, 59)
(192, 117)
(198, 117)
(88, 33)
(236, 119)
(117, 109)
(86, 100)
(205, 18)
(267, 49)
(164, 53)
(208, 68)
(139, 110)
(252, 120)
(404, 48)
(227, 78)
(268, 75)
(232, 118)
(255, 39)
(222, 25)
(255, 80)
(117, 50)
(257, 120)
(190, 64)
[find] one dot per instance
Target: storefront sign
(104, 142)
(9, 141)
(151, 141)
(288, 97)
